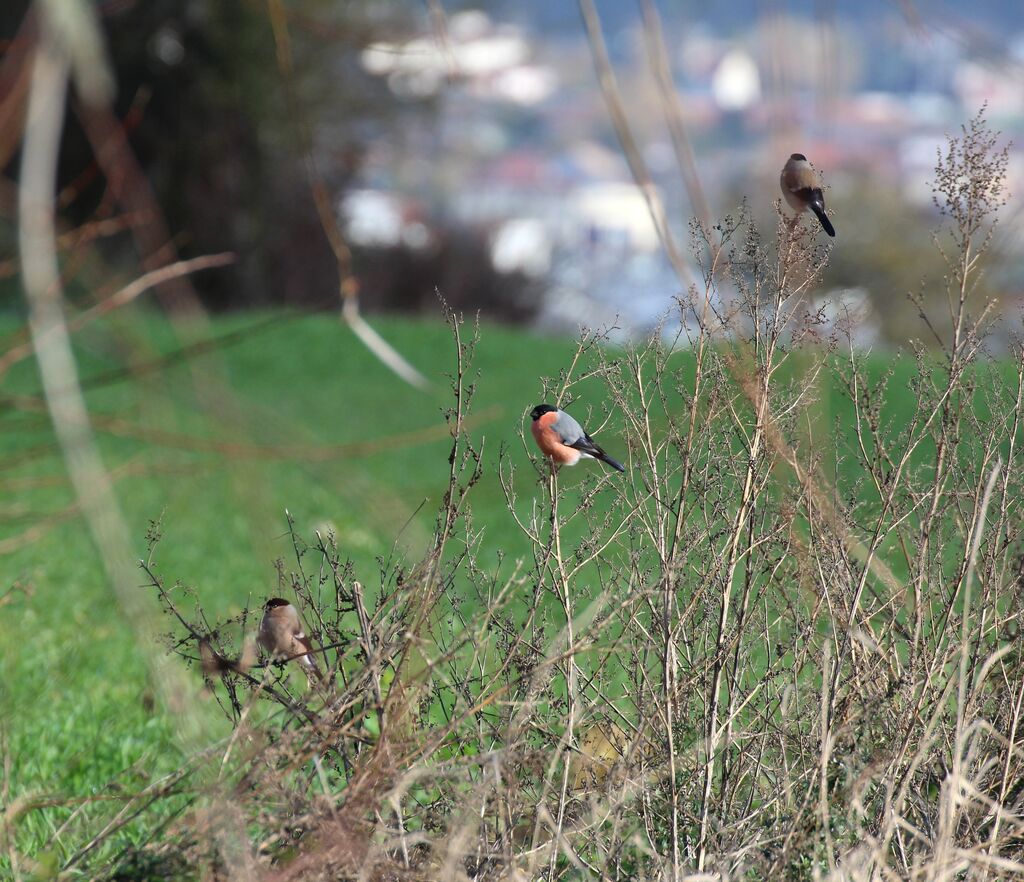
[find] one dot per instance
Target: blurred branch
(50, 339)
(237, 449)
(380, 347)
(133, 468)
(126, 295)
(183, 354)
(25, 589)
(73, 31)
(15, 73)
(131, 189)
(77, 237)
(44, 525)
(348, 285)
(439, 22)
(654, 37)
(67, 23)
(630, 148)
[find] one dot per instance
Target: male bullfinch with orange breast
(801, 185)
(282, 637)
(563, 440)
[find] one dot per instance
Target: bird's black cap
(799, 157)
(540, 410)
(275, 602)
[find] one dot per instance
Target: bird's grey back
(568, 429)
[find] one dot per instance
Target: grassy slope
(73, 703)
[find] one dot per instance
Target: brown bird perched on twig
(282, 637)
(801, 185)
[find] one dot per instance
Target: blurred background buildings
(467, 147)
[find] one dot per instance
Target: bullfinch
(562, 439)
(282, 637)
(801, 186)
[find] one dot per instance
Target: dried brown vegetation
(776, 648)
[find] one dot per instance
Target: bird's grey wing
(587, 445)
(572, 435)
(568, 429)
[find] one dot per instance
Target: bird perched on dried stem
(801, 185)
(563, 440)
(282, 637)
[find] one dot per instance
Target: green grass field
(76, 707)
(75, 702)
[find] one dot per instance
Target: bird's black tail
(615, 464)
(826, 224)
